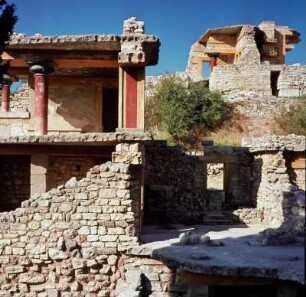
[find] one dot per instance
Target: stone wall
(249, 79)
(174, 185)
(195, 61)
(246, 48)
(15, 181)
(242, 80)
(278, 199)
(145, 276)
(236, 182)
(292, 81)
(60, 169)
(19, 100)
(69, 241)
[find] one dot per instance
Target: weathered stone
(31, 278)
(14, 269)
(56, 254)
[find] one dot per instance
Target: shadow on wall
(72, 108)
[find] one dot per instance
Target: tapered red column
(6, 93)
(41, 70)
(213, 61)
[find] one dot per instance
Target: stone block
(56, 254)
(31, 278)
(14, 269)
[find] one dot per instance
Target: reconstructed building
(249, 58)
(77, 84)
(81, 183)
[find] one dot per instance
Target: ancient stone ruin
(91, 205)
(249, 61)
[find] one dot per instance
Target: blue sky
(178, 23)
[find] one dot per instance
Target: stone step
(217, 218)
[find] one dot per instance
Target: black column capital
(41, 67)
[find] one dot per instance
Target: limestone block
(81, 196)
(84, 230)
(78, 263)
(107, 193)
(31, 278)
(56, 254)
(14, 269)
(127, 158)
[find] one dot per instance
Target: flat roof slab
(240, 256)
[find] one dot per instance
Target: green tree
(8, 20)
(187, 110)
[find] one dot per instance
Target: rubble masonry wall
(278, 200)
(70, 239)
(174, 185)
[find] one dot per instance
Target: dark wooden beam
(218, 280)
(60, 150)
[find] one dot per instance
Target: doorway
(274, 82)
(110, 110)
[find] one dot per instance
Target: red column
(213, 63)
(131, 98)
(41, 104)
(6, 93)
(40, 70)
(5, 98)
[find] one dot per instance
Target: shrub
(293, 120)
(187, 110)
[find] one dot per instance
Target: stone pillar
(41, 70)
(213, 61)
(132, 61)
(39, 166)
(6, 92)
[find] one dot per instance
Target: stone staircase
(217, 218)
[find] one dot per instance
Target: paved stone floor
(240, 255)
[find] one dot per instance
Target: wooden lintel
(60, 54)
(62, 150)
(211, 280)
(109, 82)
(68, 63)
(76, 63)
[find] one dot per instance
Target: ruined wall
(195, 61)
(253, 81)
(149, 277)
(16, 121)
(15, 181)
(60, 169)
(247, 52)
(19, 100)
(250, 79)
(235, 186)
(279, 201)
(69, 241)
(174, 185)
(292, 81)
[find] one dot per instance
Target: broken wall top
(290, 142)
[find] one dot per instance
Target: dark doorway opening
(15, 181)
(110, 110)
(274, 82)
